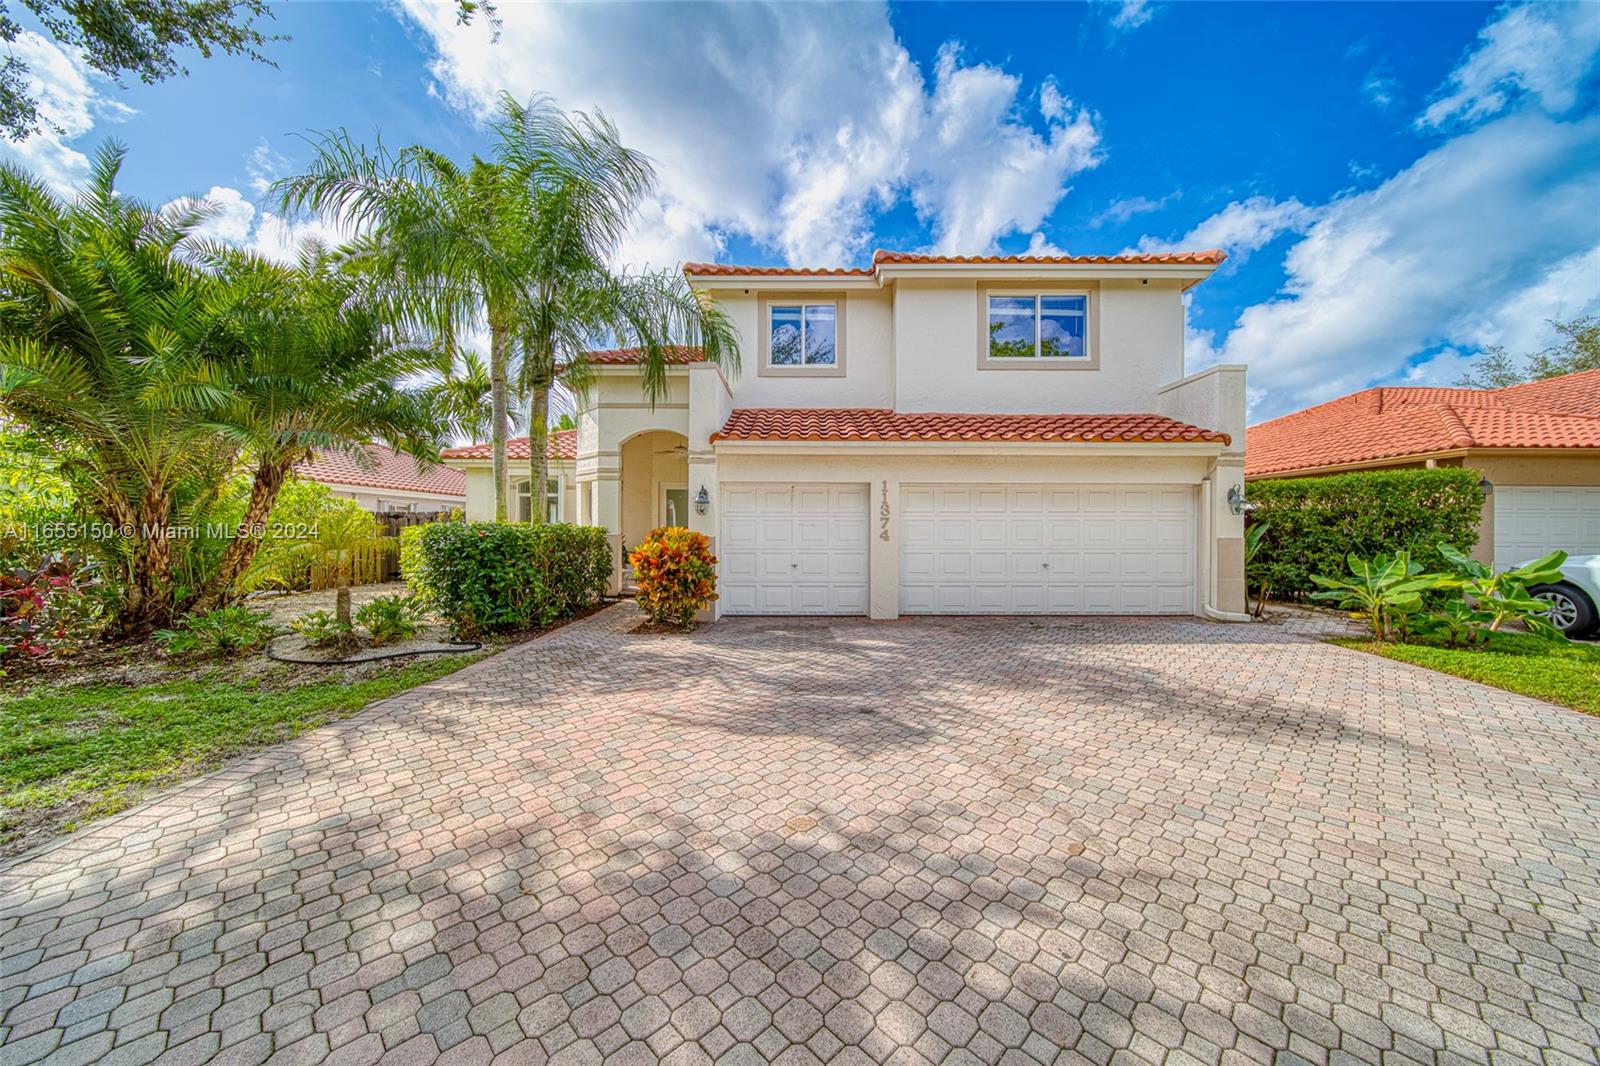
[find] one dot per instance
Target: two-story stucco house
(928, 435)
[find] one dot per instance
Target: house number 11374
(883, 514)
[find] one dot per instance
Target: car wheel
(1571, 610)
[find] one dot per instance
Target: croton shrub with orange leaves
(676, 574)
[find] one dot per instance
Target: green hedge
(1314, 522)
(500, 577)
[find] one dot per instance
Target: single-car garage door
(1534, 520)
(793, 549)
(1054, 549)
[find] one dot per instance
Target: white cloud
(230, 220)
(1380, 89)
(1128, 207)
(1131, 14)
(1240, 228)
(265, 166)
(789, 124)
(985, 175)
(1039, 244)
(69, 100)
(1542, 50)
(238, 222)
(1475, 243)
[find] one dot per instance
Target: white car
(1575, 599)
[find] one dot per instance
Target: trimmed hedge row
(500, 577)
(1315, 522)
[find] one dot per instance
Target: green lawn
(1561, 673)
(69, 753)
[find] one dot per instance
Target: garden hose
(453, 647)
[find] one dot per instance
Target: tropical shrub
(499, 577)
(390, 618)
(219, 633)
(48, 609)
(1398, 600)
(676, 574)
(1504, 597)
(1386, 591)
(339, 530)
(1316, 523)
(323, 629)
(157, 370)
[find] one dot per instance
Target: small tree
(341, 532)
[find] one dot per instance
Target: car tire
(1572, 611)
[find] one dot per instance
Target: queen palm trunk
(538, 457)
(499, 360)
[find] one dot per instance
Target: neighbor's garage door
(793, 549)
(1533, 520)
(1047, 550)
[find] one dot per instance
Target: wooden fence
(381, 562)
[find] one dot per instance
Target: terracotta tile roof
(1394, 422)
(560, 444)
(378, 467)
(730, 270)
(874, 424)
(628, 356)
(1210, 257)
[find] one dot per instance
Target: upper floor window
(1039, 326)
(804, 334)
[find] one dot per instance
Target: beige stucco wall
(868, 380)
(480, 490)
(376, 499)
(1136, 334)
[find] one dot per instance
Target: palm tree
(343, 531)
(110, 351)
(461, 398)
(319, 370)
(519, 244)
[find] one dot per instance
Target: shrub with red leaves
(676, 574)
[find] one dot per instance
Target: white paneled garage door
(1533, 520)
(1050, 549)
(793, 549)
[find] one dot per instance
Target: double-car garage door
(1019, 549)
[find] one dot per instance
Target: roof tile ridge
(1460, 435)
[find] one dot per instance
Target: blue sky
(1398, 185)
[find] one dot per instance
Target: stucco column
(703, 475)
(607, 494)
(883, 556)
(1228, 579)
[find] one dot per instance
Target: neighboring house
(476, 462)
(930, 435)
(383, 481)
(1536, 445)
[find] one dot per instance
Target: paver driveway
(777, 840)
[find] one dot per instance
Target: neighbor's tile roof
(1210, 257)
(1394, 422)
(378, 467)
(877, 424)
(628, 356)
(560, 444)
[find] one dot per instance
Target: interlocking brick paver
(1045, 840)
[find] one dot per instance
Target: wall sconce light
(1236, 499)
(702, 501)
(1485, 486)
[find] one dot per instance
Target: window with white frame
(1038, 326)
(552, 501)
(803, 334)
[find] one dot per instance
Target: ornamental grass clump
(676, 575)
